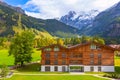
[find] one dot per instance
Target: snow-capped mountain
(79, 19)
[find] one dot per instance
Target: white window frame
(93, 46)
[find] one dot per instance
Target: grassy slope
(55, 77)
(9, 60)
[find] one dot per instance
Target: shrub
(113, 75)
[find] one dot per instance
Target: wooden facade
(84, 55)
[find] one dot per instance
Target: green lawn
(5, 59)
(56, 77)
(9, 60)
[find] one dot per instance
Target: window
(71, 55)
(76, 55)
(56, 62)
(98, 47)
(56, 48)
(47, 55)
(63, 55)
(75, 61)
(47, 49)
(99, 68)
(47, 68)
(91, 55)
(93, 46)
(91, 61)
(91, 68)
(47, 62)
(99, 55)
(56, 55)
(80, 62)
(63, 62)
(99, 61)
(56, 68)
(80, 55)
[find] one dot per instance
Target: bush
(113, 75)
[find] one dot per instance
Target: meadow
(55, 77)
(9, 60)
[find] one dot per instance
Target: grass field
(5, 59)
(55, 77)
(9, 60)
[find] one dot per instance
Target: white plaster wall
(43, 68)
(59, 68)
(107, 69)
(86, 68)
(95, 68)
(52, 69)
(66, 68)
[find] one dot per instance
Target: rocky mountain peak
(79, 19)
(117, 5)
(72, 13)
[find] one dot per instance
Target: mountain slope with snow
(79, 20)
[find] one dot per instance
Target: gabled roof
(53, 45)
(91, 42)
(115, 46)
(80, 45)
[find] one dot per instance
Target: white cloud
(2, 0)
(56, 8)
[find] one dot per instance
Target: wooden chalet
(86, 57)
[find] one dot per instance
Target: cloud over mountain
(56, 8)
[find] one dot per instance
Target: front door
(76, 69)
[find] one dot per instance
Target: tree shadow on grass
(34, 67)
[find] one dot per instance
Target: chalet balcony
(75, 62)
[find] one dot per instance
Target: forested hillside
(9, 19)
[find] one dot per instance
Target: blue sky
(16, 2)
(48, 9)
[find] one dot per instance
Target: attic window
(47, 49)
(93, 46)
(56, 48)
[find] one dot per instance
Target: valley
(22, 38)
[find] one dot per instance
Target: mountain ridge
(9, 18)
(17, 9)
(106, 24)
(79, 19)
